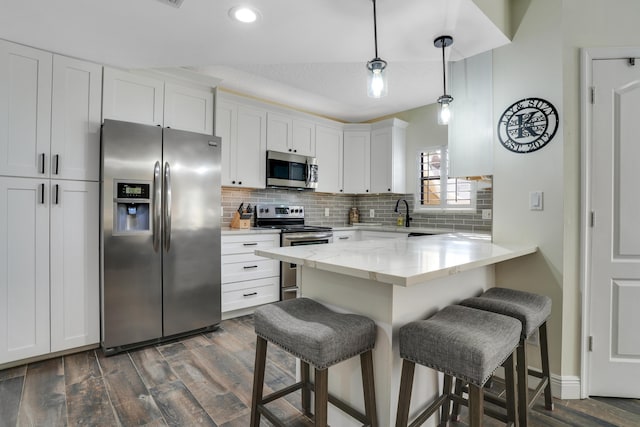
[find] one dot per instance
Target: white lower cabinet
(247, 279)
(343, 236)
(49, 255)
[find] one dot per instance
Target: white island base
(390, 307)
(393, 282)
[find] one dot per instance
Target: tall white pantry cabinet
(49, 171)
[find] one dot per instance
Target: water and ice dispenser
(132, 207)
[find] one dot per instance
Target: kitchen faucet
(407, 218)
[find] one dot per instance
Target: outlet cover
(486, 213)
(536, 200)
(372, 213)
(326, 211)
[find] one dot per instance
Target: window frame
(446, 208)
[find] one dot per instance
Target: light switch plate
(536, 200)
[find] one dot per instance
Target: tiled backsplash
(339, 205)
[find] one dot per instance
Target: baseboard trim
(565, 387)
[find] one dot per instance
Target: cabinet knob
(341, 190)
(295, 151)
(289, 149)
(233, 182)
(239, 182)
(388, 189)
(366, 190)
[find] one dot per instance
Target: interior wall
(531, 66)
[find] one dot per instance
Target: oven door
(288, 280)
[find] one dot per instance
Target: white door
(75, 119)
(24, 268)
(75, 309)
(25, 110)
(614, 303)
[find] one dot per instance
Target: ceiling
(307, 54)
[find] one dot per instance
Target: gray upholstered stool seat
(313, 333)
(532, 310)
(461, 342)
(320, 337)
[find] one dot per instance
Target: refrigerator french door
(160, 233)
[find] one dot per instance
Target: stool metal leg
(476, 405)
(306, 394)
(258, 380)
(544, 355)
(366, 366)
(511, 392)
(523, 385)
(404, 398)
(321, 397)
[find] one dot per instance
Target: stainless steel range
(294, 232)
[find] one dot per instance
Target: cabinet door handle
(42, 194)
(250, 294)
(57, 195)
(247, 267)
(250, 244)
(343, 237)
(57, 163)
(42, 163)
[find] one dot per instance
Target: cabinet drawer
(250, 293)
(248, 270)
(249, 243)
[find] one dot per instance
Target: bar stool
(532, 311)
(320, 337)
(461, 342)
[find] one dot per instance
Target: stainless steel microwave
(291, 170)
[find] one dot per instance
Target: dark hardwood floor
(201, 380)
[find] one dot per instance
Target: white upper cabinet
(388, 156)
(357, 162)
(75, 119)
(150, 100)
(190, 109)
(25, 110)
(132, 97)
(471, 129)
(290, 134)
(244, 146)
(329, 155)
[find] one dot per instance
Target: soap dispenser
(400, 221)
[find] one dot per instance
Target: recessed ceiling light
(244, 14)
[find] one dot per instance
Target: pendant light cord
(375, 28)
(444, 74)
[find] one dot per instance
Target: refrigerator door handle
(157, 198)
(167, 206)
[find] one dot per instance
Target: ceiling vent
(174, 3)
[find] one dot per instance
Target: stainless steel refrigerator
(160, 233)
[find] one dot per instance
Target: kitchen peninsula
(393, 281)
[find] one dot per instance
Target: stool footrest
(538, 391)
(501, 416)
(281, 393)
(424, 416)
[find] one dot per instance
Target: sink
(418, 234)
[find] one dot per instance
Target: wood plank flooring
(203, 380)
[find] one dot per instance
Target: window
(436, 191)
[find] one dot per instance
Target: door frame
(587, 56)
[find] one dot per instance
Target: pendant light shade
(444, 112)
(377, 85)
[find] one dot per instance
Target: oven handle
(296, 237)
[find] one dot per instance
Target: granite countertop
(402, 262)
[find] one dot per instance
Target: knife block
(238, 222)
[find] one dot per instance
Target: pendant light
(444, 113)
(376, 77)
